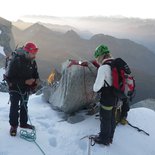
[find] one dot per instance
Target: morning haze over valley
(60, 39)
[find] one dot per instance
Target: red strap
(75, 62)
(95, 64)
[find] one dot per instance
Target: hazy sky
(13, 9)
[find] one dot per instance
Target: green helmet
(100, 50)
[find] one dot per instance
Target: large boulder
(75, 88)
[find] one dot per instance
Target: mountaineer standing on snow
(22, 78)
(108, 99)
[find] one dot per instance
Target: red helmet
(31, 48)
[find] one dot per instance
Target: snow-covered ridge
(148, 103)
(61, 138)
(2, 50)
(2, 71)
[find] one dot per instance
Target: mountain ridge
(55, 48)
(136, 29)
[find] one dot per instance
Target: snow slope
(61, 138)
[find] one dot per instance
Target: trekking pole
(138, 129)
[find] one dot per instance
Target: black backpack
(123, 82)
(17, 53)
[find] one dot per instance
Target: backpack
(130, 85)
(123, 82)
(18, 52)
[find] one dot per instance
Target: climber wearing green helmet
(101, 50)
(108, 99)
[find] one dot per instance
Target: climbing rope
(29, 136)
(138, 129)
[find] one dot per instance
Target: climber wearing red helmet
(23, 78)
(31, 49)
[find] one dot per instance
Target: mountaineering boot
(98, 140)
(13, 131)
(123, 121)
(27, 126)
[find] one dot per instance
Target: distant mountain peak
(72, 34)
(37, 27)
(99, 37)
(20, 21)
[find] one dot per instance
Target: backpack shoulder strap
(121, 64)
(108, 62)
(106, 83)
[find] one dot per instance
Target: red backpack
(122, 80)
(130, 85)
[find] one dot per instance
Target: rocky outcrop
(6, 36)
(75, 88)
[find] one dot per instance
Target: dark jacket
(107, 97)
(20, 70)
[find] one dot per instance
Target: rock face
(75, 88)
(6, 36)
(7, 43)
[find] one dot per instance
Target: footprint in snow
(4, 153)
(82, 144)
(44, 124)
(53, 142)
